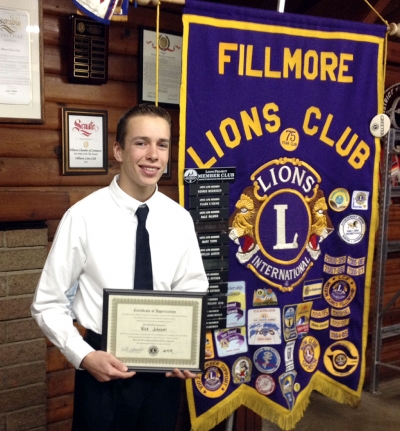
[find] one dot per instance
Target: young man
(95, 245)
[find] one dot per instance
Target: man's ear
(117, 152)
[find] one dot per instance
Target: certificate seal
(266, 359)
(163, 42)
(153, 350)
(265, 384)
(215, 380)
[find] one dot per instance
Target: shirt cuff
(76, 350)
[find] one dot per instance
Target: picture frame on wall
(21, 75)
(84, 141)
(169, 70)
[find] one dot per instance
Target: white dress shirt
(95, 244)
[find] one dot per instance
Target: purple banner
(287, 100)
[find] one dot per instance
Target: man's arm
(50, 307)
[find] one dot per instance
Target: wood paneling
(29, 206)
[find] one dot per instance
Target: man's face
(145, 156)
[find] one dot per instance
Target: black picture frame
(84, 141)
(170, 66)
(148, 330)
(25, 34)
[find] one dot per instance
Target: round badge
(266, 359)
(265, 384)
(339, 199)
(339, 291)
(289, 139)
(190, 176)
(215, 380)
(309, 353)
(341, 359)
(352, 229)
(379, 125)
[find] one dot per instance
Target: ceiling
(352, 10)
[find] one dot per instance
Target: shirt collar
(125, 201)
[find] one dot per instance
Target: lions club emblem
(280, 221)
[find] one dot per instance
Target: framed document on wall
(84, 141)
(21, 72)
(169, 71)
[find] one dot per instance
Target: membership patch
(341, 358)
(309, 353)
(214, 382)
(265, 384)
(352, 229)
(339, 199)
(266, 359)
(339, 291)
(241, 370)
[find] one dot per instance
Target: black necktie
(143, 271)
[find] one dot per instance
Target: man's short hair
(143, 109)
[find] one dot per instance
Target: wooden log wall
(31, 180)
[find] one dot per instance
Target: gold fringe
(267, 409)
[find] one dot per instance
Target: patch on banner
(266, 359)
(230, 341)
(280, 221)
(265, 384)
(352, 229)
(215, 380)
(341, 359)
(264, 297)
(359, 200)
(210, 344)
(236, 312)
(339, 291)
(241, 370)
(312, 289)
(309, 353)
(303, 318)
(319, 326)
(289, 355)
(289, 139)
(289, 322)
(264, 326)
(286, 382)
(339, 199)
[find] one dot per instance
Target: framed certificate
(155, 331)
(84, 141)
(170, 67)
(21, 59)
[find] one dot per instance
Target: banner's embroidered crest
(286, 101)
(269, 242)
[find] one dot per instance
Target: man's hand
(105, 367)
(185, 374)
